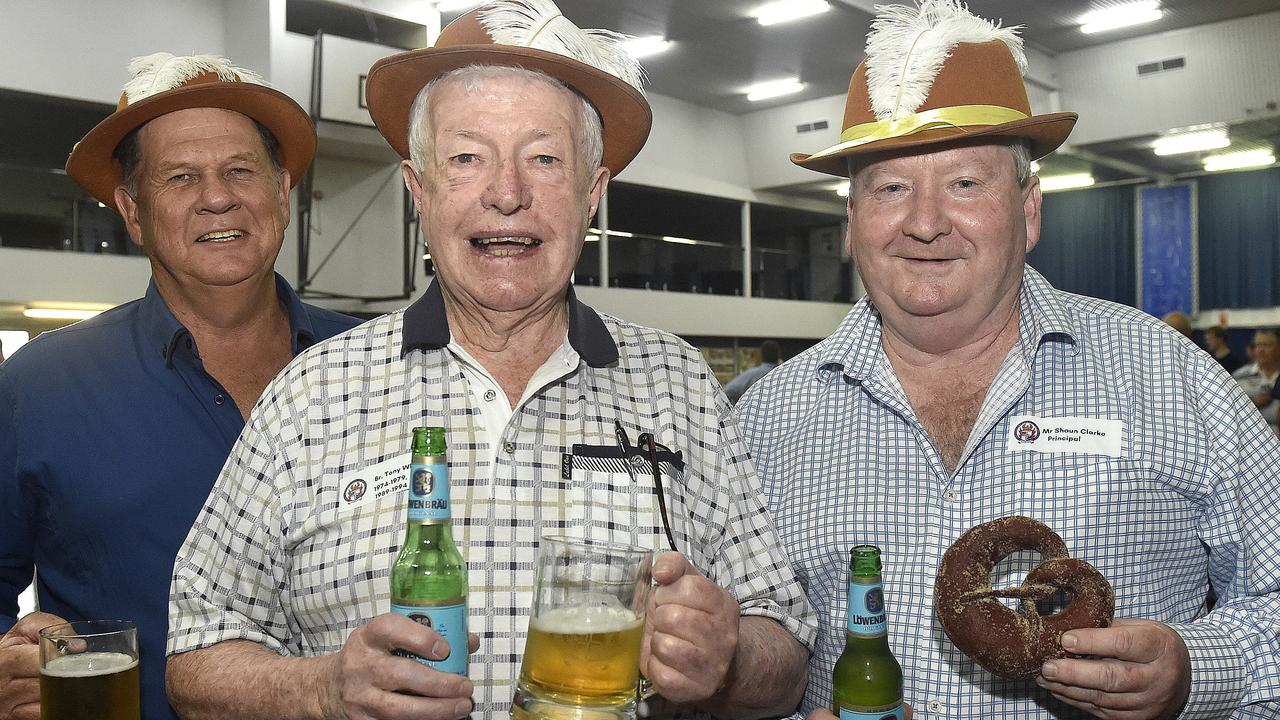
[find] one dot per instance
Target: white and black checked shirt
(282, 555)
(1193, 496)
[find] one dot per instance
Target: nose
(926, 220)
(217, 195)
(507, 190)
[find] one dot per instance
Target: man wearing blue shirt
(113, 430)
(965, 388)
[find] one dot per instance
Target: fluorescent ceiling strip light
(450, 6)
(1191, 142)
(842, 189)
(1065, 182)
(1238, 160)
(621, 233)
(1121, 16)
(643, 47)
(772, 89)
(678, 240)
(788, 10)
(59, 313)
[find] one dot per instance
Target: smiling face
(210, 208)
(943, 233)
(504, 196)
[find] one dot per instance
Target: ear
(128, 209)
(413, 183)
(848, 226)
(599, 184)
(285, 185)
(1031, 199)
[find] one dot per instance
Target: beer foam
(586, 619)
(88, 664)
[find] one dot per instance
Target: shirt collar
(426, 327)
(164, 331)
(854, 348)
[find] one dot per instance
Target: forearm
(768, 674)
(243, 680)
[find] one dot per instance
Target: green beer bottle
(429, 578)
(867, 679)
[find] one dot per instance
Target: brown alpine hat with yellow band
(936, 74)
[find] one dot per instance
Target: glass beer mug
(89, 671)
(582, 656)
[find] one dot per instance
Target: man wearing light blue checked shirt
(898, 429)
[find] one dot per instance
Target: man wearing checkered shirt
(965, 388)
(280, 598)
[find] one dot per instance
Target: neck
(939, 343)
(222, 313)
(511, 345)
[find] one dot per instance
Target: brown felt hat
(978, 92)
(394, 82)
(94, 169)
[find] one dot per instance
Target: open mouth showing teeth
(220, 236)
(505, 246)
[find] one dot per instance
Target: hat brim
(93, 168)
(1045, 132)
(394, 83)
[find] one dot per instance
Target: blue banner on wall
(1167, 242)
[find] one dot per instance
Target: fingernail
(1050, 670)
(440, 650)
(1069, 641)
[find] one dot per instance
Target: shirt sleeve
(1235, 649)
(16, 512)
(228, 574)
(748, 559)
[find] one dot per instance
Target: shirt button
(219, 399)
(935, 706)
(950, 495)
(508, 447)
(490, 394)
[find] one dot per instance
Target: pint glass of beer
(89, 671)
(582, 656)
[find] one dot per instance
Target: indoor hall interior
(1166, 197)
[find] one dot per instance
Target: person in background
(1258, 378)
(113, 429)
(770, 354)
(1181, 322)
(939, 403)
(1215, 341)
(280, 595)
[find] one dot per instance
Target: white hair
(473, 77)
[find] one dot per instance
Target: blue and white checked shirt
(1191, 499)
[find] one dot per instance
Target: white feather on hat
(908, 45)
(163, 71)
(538, 24)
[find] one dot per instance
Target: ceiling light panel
(1239, 160)
(1197, 141)
(1120, 16)
(774, 88)
(788, 10)
(643, 47)
(1065, 182)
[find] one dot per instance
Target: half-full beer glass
(89, 671)
(582, 656)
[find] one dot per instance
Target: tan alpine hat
(163, 83)
(935, 74)
(529, 34)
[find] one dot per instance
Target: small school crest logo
(875, 601)
(354, 490)
(423, 482)
(1026, 431)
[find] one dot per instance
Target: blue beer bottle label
(450, 623)
(429, 492)
(867, 617)
(896, 713)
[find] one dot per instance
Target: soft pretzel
(1008, 642)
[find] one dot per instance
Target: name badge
(1098, 436)
(372, 482)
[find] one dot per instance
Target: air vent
(1159, 66)
(810, 127)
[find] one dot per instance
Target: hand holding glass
(582, 656)
(89, 671)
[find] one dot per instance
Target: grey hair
(128, 153)
(1019, 148)
(590, 144)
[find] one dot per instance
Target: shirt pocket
(616, 498)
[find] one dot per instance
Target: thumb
(670, 566)
(27, 629)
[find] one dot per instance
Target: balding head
(1179, 321)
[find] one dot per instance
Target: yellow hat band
(947, 117)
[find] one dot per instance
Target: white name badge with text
(372, 482)
(1098, 436)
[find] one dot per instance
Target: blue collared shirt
(1187, 497)
(111, 435)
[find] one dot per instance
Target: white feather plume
(163, 71)
(538, 24)
(908, 45)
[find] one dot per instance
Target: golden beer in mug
(582, 655)
(89, 671)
